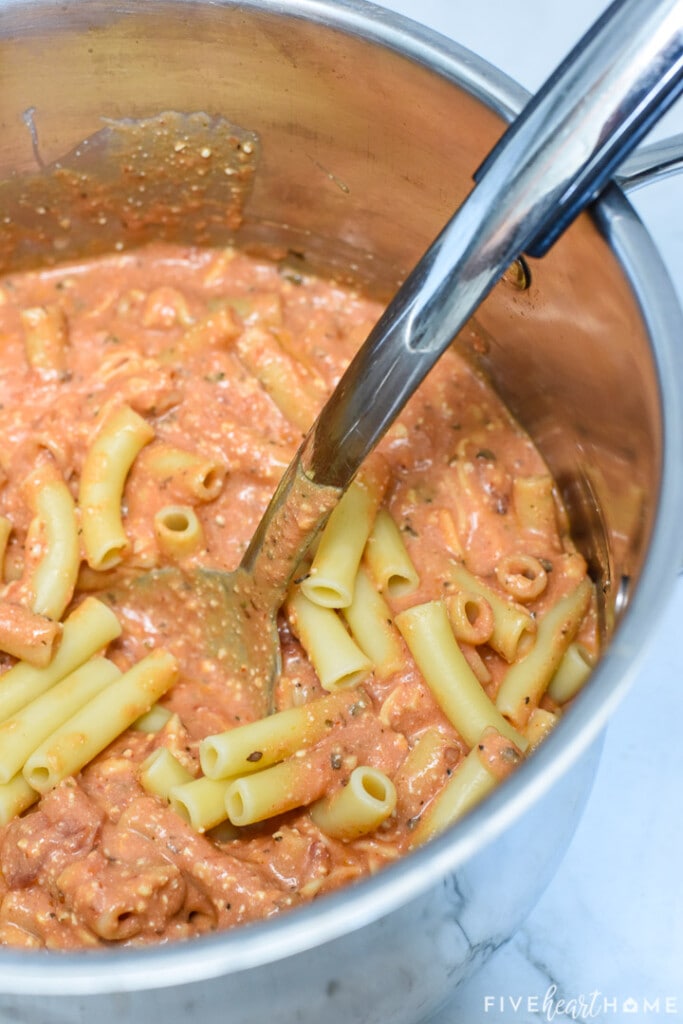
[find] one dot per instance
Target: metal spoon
(551, 162)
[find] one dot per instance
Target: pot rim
(206, 957)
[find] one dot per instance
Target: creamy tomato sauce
(186, 338)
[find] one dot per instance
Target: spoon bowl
(235, 613)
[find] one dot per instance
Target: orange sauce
(98, 860)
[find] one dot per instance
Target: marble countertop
(605, 942)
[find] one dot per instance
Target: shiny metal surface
(552, 160)
(344, 183)
(650, 163)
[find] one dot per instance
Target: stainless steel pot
(369, 129)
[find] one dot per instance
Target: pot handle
(650, 163)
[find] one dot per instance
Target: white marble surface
(607, 936)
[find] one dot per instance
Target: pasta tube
(24, 731)
(427, 751)
(260, 352)
(178, 530)
(45, 339)
(533, 501)
(190, 473)
(108, 460)
(369, 619)
(54, 577)
(572, 672)
(5, 531)
(201, 802)
(16, 796)
(161, 772)
(388, 560)
(359, 807)
(471, 617)
(153, 720)
(100, 721)
(527, 680)
(89, 628)
(522, 577)
(428, 763)
(469, 783)
(219, 327)
(283, 787)
(29, 637)
(541, 723)
(427, 631)
(257, 745)
(512, 625)
(332, 575)
(335, 656)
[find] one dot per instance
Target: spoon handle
(550, 163)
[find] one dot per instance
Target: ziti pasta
(149, 404)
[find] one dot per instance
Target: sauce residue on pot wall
(120, 186)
